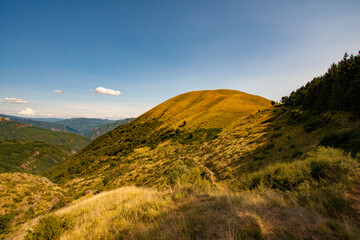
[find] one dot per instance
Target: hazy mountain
(50, 125)
(10, 130)
(47, 119)
(83, 125)
(100, 130)
(90, 127)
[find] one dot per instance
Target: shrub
(321, 167)
(5, 222)
(50, 228)
(315, 123)
(179, 171)
(348, 141)
(184, 175)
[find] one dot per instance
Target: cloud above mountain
(106, 91)
(58, 91)
(15, 100)
(27, 111)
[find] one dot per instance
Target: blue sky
(153, 50)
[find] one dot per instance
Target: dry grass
(207, 109)
(25, 196)
(193, 212)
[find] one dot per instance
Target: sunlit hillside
(206, 109)
(317, 206)
(160, 136)
(23, 197)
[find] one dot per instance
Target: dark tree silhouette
(338, 89)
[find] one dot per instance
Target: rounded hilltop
(206, 108)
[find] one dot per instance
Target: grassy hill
(205, 109)
(185, 135)
(185, 119)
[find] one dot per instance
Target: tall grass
(307, 199)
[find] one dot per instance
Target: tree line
(337, 90)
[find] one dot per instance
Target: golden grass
(193, 212)
(207, 109)
(110, 214)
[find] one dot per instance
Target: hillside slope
(221, 134)
(205, 109)
(194, 117)
(314, 208)
(24, 197)
(83, 125)
(30, 157)
(10, 130)
(25, 148)
(100, 130)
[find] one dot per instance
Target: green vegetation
(336, 90)
(30, 157)
(89, 127)
(24, 148)
(10, 130)
(82, 126)
(221, 164)
(53, 126)
(347, 140)
(320, 168)
(318, 206)
(49, 228)
(100, 130)
(24, 197)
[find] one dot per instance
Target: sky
(117, 59)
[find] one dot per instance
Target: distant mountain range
(90, 127)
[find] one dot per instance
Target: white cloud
(106, 91)
(58, 91)
(90, 90)
(27, 111)
(15, 100)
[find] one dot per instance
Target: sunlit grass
(196, 209)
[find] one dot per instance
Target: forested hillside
(10, 130)
(337, 90)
